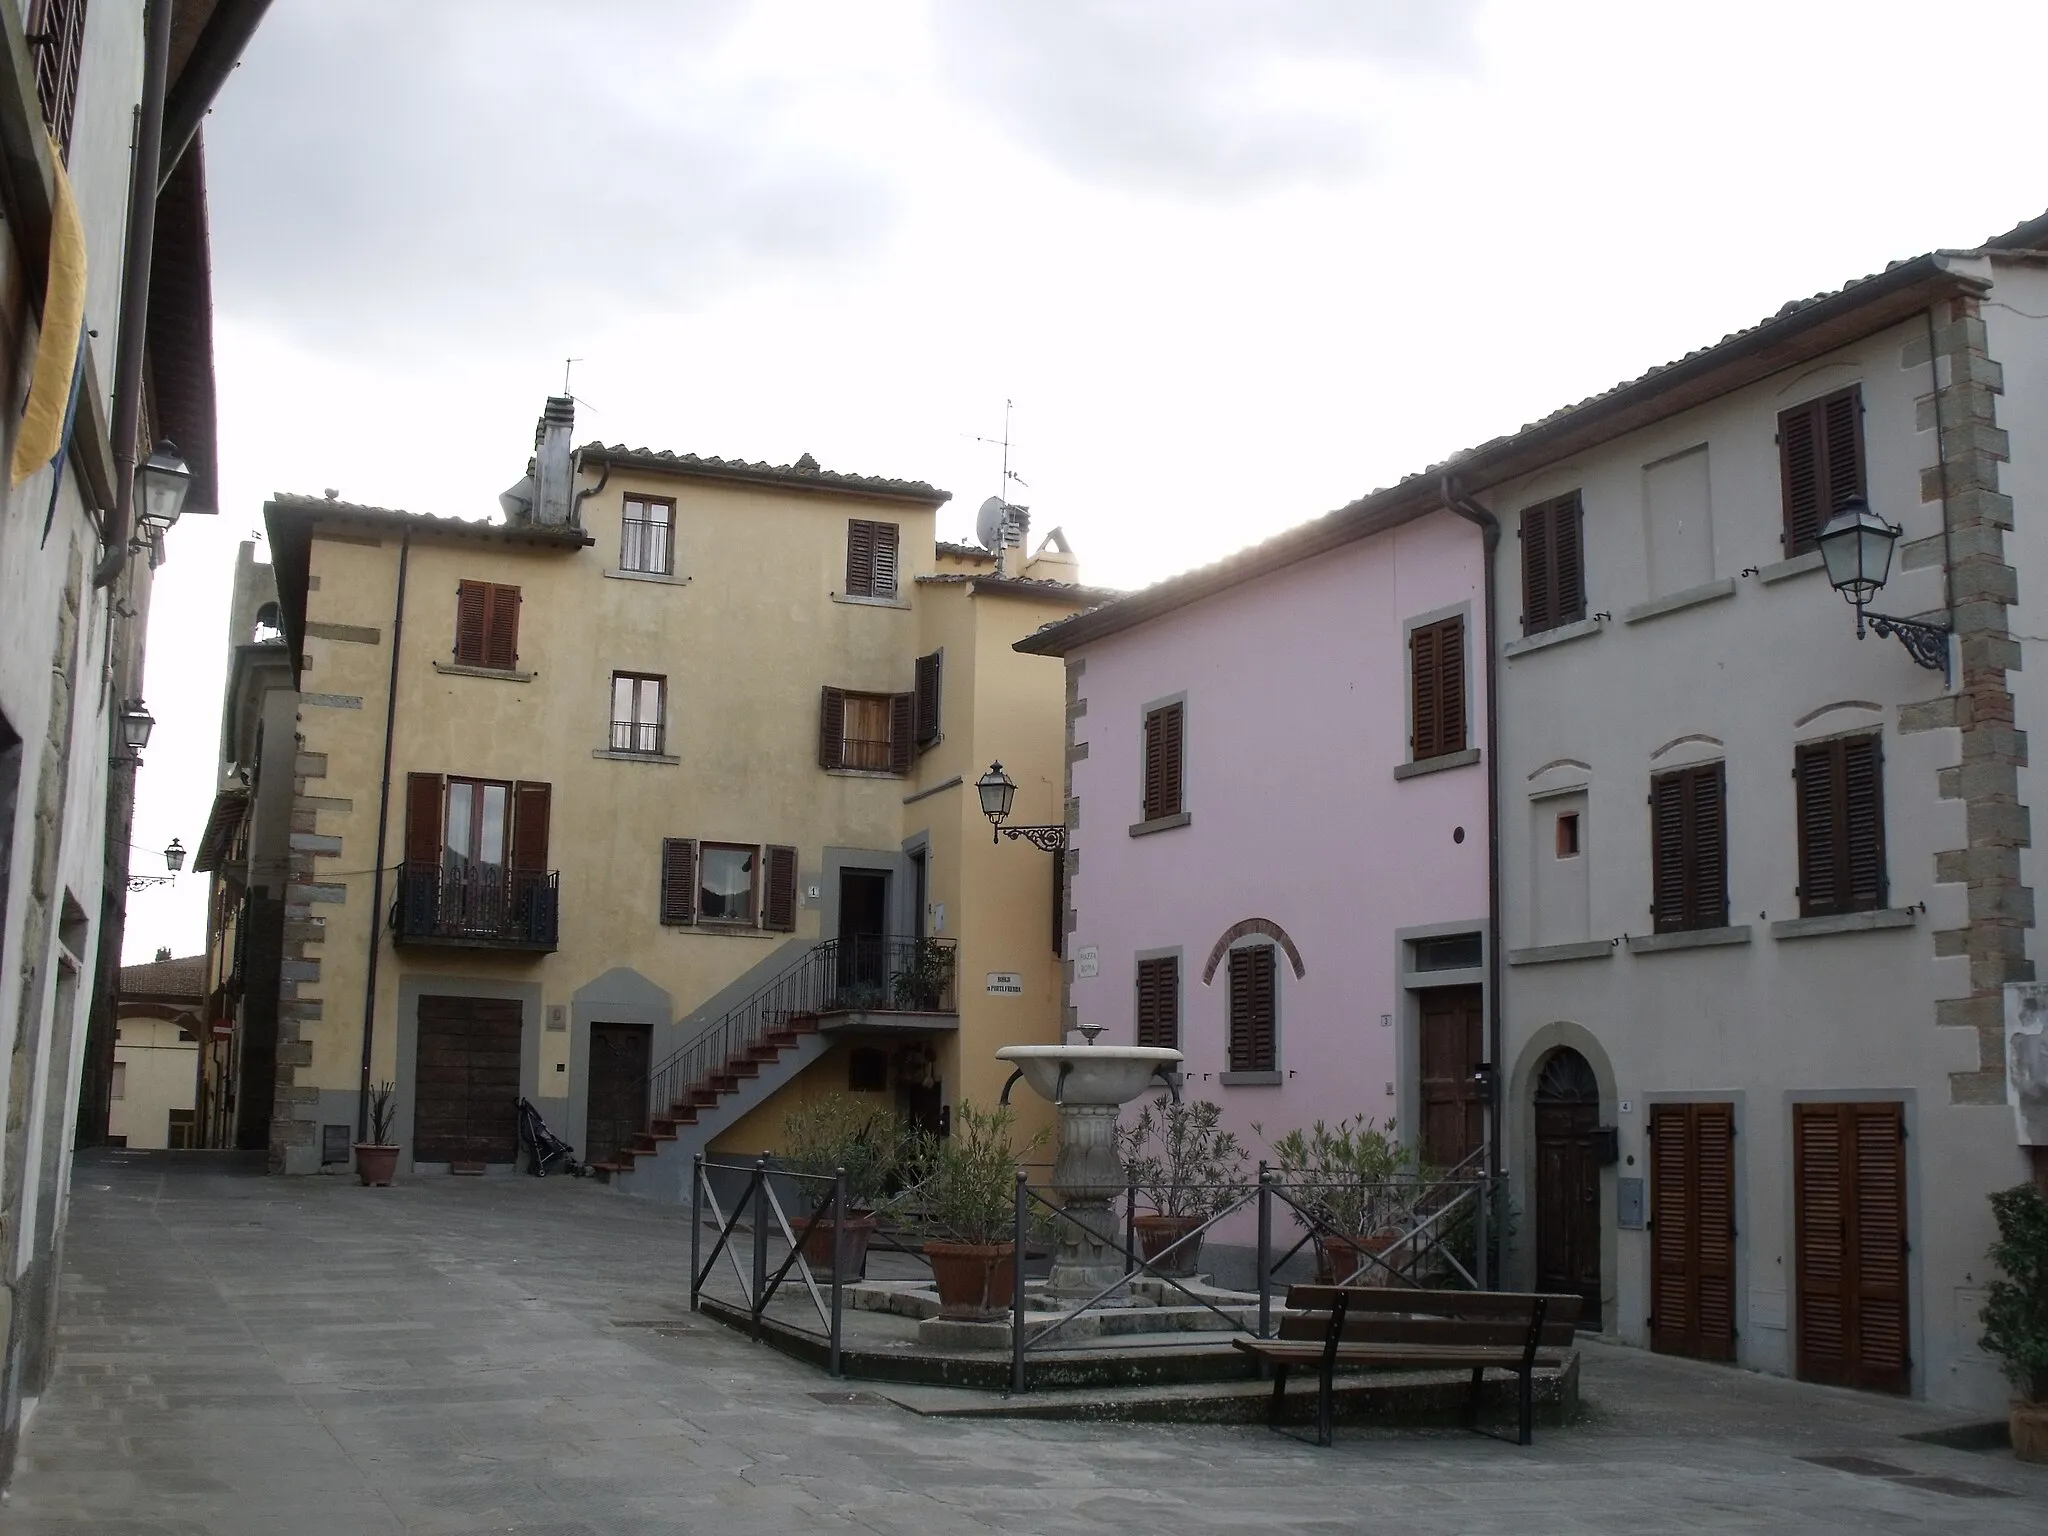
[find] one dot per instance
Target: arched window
(268, 627)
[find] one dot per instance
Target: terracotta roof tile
(805, 473)
(185, 977)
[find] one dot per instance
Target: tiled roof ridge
(805, 468)
(183, 976)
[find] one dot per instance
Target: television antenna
(999, 522)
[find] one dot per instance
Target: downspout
(383, 832)
(134, 320)
(575, 474)
(1489, 533)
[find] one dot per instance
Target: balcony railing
(482, 906)
(636, 736)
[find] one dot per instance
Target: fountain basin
(1093, 1074)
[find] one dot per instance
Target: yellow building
(657, 793)
(158, 1020)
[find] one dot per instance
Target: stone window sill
(1549, 637)
(662, 577)
(727, 930)
(1677, 602)
(871, 602)
(1844, 922)
(1162, 824)
(635, 757)
(1687, 938)
(1249, 1079)
(1464, 759)
(1785, 570)
(864, 773)
(1551, 954)
(502, 674)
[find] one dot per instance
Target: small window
(1688, 849)
(639, 705)
(1436, 689)
(867, 1070)
(867, 732)
(1553, 564)
(486, 625)
(1165, 762)
(1452, 952)
(870, 559)
(1159, 1002)
(1253, 1042)
(646, 541)
(1820, 461)
(334, 1143)
(120, 1088)
(1841, 826)
(726, 883)
(1568, 834)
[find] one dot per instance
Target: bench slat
(1363, 1299)
(1393, 1354)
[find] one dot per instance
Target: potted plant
(2015, 1312)
(835, 1132)
(927, 972)
(377, 1158)
(966, 1202)
(1354, 1182)
(1186, 1168)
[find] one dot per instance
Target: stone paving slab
(529, 1366)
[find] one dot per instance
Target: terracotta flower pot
(1337, 1258)
(1156, 1234)
(860, 1227)
(2029, 1424)
(375, 1165)
(976, 1281)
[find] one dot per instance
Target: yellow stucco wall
(158, 1075)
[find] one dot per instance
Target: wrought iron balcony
(477, 906)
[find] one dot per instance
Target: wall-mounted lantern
(1856, 546)
(998, 793)
(164, 481)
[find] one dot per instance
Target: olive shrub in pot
(965, 1203)
(2015, 1315)
(828, 1134)
(1184, 1168)
(1357, 1183)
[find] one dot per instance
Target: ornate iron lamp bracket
(1050, 839)
(1926, 643)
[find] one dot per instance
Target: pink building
(1278, 825)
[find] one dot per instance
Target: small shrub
(2015, 1315)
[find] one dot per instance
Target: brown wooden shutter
(1536, 584)
(1841, 826)
(1251, 1009)
(1165, 743)
(57, 30)
(1820, 462)
(1692, 1230)
(929, 678)
(1059, 904)
(472, 622)
(832, 728)
(902, 731)
(1159, 1002)
(885, 536)
(423, 793)
(778, 902)
(860, 558)
(1436, 688)
(502, 648)
(1553, 564)
(530, 811)
(1850, 1224)
(1688, 849)
(678, 881)
(1450, 686)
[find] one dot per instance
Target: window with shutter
(1253, 1035)
(56, 34)
(423, 792)
(778, 905)
(487, 625)
(1820, 462)
(1841, 826)
(929, 678)
(639, 713)
(1553, 564)
(1436, 689)
(832, 728)
(1688, 849)
(531, 808)
(646, 535)
(678, 881)
(1159, 1002)
(902, 732)
(1165, 760)
(871, 558)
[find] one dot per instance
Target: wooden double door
(1567, 1105)
(466, 1080)
(1849, 1215)
(615, 1110)
(1692, 1230)
(1453, 1046)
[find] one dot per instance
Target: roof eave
(740, 474)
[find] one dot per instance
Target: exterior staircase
(759, 1045)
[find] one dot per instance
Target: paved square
(252, 1355)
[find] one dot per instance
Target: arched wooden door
(1568, 1182)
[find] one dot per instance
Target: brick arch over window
(1251, 925)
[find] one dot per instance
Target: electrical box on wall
(1606, 1145)
(1628, 1204)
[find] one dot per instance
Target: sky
(1236, 262)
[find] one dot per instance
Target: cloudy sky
(1236, 261)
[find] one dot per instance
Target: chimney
(553, 506)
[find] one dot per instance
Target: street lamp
(174, 856)
(135, 724)
(165, 479)
(1856, 547)
(174, 859)
(998, 793)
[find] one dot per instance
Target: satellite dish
(989, 523)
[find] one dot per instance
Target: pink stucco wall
(1296, 689)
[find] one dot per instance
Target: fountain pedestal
(1088, 1084)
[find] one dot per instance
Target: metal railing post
(696, 1223)
(1485, 1200)
(1265, 1254)
(759, 1192)
(838, 1262)
(1019, 1222)
(1130, 1225)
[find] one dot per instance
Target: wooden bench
(1326, 1326)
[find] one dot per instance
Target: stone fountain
(1088, 1084)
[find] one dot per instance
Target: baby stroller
(545, 1151)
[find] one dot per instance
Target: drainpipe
(134, 321)
(1489, 533)
(383, 831)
